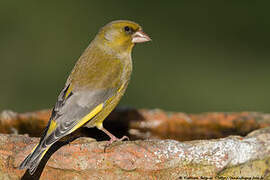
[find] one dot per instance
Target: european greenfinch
(94, 87)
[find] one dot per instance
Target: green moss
(256, 168)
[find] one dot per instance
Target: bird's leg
(113, 138)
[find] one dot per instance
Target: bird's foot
(114, 139)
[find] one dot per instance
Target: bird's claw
(115, 139)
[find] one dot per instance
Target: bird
(94, 87)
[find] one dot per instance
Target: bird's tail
(32, 161)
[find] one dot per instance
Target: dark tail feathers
(32, 161)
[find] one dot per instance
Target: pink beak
(140, 37)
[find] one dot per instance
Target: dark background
(205, 55)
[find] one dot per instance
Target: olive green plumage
(94, 87)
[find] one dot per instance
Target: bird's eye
(127, 29)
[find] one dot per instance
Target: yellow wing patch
(68, 91)
(52, 127)
(34, 148)
(44, 152)
(89, 116)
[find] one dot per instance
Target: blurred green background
(205, 55)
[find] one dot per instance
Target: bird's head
(121, 35)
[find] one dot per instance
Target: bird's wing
(72, 110)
